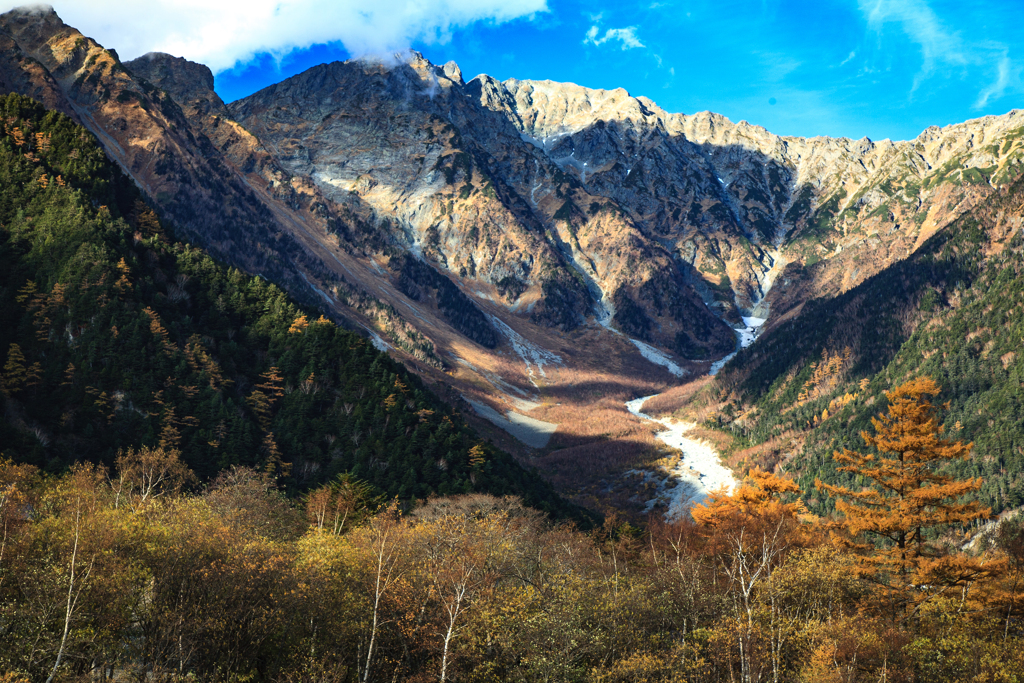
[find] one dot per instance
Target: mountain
(117, 336)
(952, 311)
(546, 250)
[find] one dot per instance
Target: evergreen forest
(125, 575)
(952, 311)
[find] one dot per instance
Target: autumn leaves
(907, 500)
(238, 582)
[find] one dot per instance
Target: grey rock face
(453, 180)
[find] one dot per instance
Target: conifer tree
(907, 500)
(14, 374)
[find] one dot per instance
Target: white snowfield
(604, 311)
(531, 354)
(698, 473)
(531, 431)
(658, 358)
(744, 338)
(377, 341)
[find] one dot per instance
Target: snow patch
(745, 336)
(658, 358)
(532, 355)
(417, 249)
(377, 341)
(319, 291)
(604, 311)
(534, 433)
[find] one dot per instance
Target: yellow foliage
(14, 376)
(42, 142)
(158, 331)
(825, 375)
(27, 291)
(758, 495)
(907, 496)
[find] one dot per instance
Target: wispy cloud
(942, 50)
(224, 33)
(939, 45)
(1007, 75)
(626, 37)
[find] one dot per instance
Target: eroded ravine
(699, 470)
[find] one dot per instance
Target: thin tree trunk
(383, 579)
(72, 598)
(373, 630)
(453, 615)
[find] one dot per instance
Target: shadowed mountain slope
(116, 337)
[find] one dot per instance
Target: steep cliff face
(400, 205)
(141, 127)
(619, 148)
(455, 183)
(740, 204)
(845, 209)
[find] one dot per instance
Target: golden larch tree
(907, 499)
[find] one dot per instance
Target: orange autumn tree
(908, 497)
(759, 495)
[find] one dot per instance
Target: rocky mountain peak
(453, 72)
(189, 83)
(549, 108)
(463, 220)
(33, 14)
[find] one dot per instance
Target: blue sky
(876, 68)
(830, 67)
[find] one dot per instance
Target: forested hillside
(116, 335)
(954, 311)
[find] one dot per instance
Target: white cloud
(222, 33)
(849, 57)
(942, 48)
(625, 36)
(1007, 75)
(938, 45)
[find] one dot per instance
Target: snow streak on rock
(532, 355)
(378, 342)
(744, 338)
(531, 431)
(658, 358)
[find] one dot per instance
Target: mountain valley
(538, 252)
